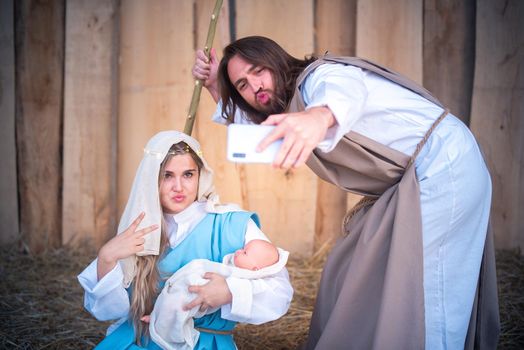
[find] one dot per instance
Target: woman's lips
(179, 198)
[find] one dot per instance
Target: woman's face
(179, 184)
(253, 83)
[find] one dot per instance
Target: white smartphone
(243, 139)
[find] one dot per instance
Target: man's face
(254, 83)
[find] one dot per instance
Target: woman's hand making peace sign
(122, 246)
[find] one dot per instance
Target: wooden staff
(190, 120)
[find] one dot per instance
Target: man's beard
(276, 105)
(273, 107)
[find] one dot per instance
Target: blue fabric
(124, 338)
(214, 237)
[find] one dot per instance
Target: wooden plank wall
(212, 136)
(331, 17)
(155, 86)
(9, 230)
(39, 76)
(90, 112)
(285, 201)
(497, 114)
(390, 33)
(127, 74)
(449, 53)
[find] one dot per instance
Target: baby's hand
(146, 318)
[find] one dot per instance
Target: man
(406, 276)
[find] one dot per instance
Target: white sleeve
(240, 117)
(106, 299)
(341, 88)
(260, 300)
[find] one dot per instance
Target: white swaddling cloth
(171, 327)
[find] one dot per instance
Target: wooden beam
(39, 75)
(497, 113)
(9, 229)
(90, 121)
(449, 53)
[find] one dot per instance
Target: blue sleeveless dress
(214, 237)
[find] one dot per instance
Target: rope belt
(213, 331)
(367, 201)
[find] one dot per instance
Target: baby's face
(244, 259)
(255, 255)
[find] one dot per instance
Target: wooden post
(335, 31)
(286, 201)
(497, 113)
(449, 53)
(9, 229)
(39, 73)
(90, 121)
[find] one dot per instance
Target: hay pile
(41, 303)
(510, 279)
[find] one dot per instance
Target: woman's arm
(105, 296)
(252, 301)
(258, 301)
(261, 300)
(106, 299)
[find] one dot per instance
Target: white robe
(254, 301)
(171, 327)
(455, 186)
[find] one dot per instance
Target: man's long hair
(261, 52)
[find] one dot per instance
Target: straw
(41, 303)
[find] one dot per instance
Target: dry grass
(510, 278)
(41, 303)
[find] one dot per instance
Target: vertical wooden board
(9, 230)
(212, 136)
(390, 33)
(285, 201)
(286, 204)
(156, 57)
(39, 75)
(89, 188)
(335, 31)
(335, 27)
(497, 112)
(449, 53)
(288, 22)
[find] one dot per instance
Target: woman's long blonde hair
(145, 284)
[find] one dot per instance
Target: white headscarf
(144, 196)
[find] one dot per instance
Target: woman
(171, 218)
(405, 275)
